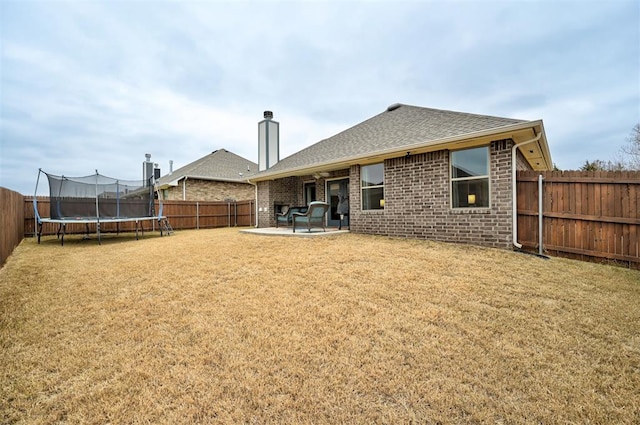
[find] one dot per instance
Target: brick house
(219, 176)
(414, 172)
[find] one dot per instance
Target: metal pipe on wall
(540, 218)
(184, 189)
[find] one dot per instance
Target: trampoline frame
(97, 220)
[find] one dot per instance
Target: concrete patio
(288, 231)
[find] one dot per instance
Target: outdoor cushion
(313, 217)
(285, 218)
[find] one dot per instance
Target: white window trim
(460, 179)
(362, 188)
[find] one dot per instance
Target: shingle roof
(398, 126)
(218, 165)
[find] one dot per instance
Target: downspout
(540, 216)
(255, 185)
(184, 188)
(514, 194)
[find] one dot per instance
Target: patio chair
(314, 216)
(285, 218)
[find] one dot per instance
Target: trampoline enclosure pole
(117, 198)
(97, 210)
(35, 204)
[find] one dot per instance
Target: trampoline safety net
(101, 197)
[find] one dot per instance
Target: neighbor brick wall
(417, 201)
(207, 190)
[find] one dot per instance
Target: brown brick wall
(287, 191)
(417, 201)
(207, 190)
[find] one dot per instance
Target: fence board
(587, 215)
(11, 220)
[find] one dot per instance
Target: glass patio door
(309, 192)
(338, 199)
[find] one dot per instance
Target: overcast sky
(89, 85)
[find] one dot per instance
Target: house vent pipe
(170, 166)
(514, 192)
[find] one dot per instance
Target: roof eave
(517, 132)
(168, 184)
(174, 182)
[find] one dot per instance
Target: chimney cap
(268, 115)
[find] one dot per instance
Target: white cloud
(90, 85)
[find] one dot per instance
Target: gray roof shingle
(218, 165)
(398, 126)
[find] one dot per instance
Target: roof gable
(218, 165)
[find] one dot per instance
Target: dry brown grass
(218, 326)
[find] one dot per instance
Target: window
(372, 184)
(470, 178)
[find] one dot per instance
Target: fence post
(197, 215)
(35, 224)
(540, 213)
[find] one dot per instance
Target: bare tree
(600, 165)
(626, 159)
(631, 150)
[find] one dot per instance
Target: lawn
(218, 326)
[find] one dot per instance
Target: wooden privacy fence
(11, 220)
(181, 215)
(586, 215)
(206, 215)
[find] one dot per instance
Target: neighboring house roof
(405, 129)
(219, 165)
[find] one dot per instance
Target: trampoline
(98, 199)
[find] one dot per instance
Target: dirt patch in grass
(219, 326)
